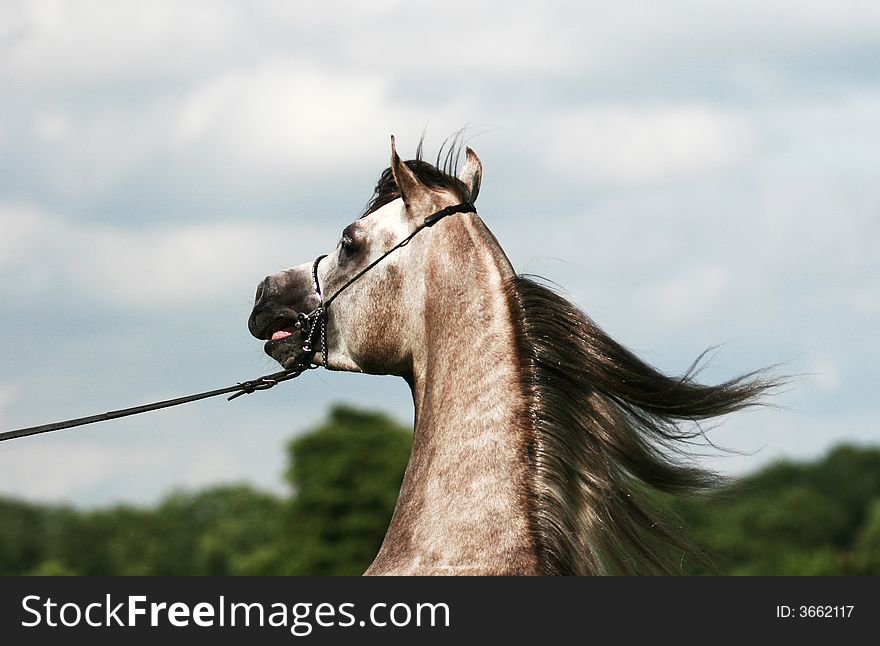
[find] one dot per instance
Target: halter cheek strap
(315, 322)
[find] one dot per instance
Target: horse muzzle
(284, 315)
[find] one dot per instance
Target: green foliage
(52, 568)
(22, 536)
(211, 532)
(347, 475)
(866, 555)
(820, 518)
(225, 527)
(809, 519)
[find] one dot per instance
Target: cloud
(130, 96)
(67, 44)
(622, 144)
(297, 117)
(149, 270)
(8, 393)
(247, 128)
(824, 372)
(766, 435)
(67, 471)
(690, 295)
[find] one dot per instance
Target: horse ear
(472, 174)
(407, 183)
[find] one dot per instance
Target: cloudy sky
(692, 173)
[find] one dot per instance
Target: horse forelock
(440, 176)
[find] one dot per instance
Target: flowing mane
(607, 429)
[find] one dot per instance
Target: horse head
(376, 271)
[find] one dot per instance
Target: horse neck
(463, 505)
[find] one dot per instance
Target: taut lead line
(244, 388)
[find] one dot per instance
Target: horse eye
(347, 244)
(351, 241)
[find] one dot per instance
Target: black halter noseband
(315, 322)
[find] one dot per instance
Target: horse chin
(288, 352)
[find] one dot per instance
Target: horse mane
(606, 433)
(442, 175)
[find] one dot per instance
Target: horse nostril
(261, 289)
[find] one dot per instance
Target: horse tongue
(281, 334)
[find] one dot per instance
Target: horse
(540, 444)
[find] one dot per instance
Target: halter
(315, 322)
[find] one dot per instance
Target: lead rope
(242, 388)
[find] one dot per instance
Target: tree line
(817, 518)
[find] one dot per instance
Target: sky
(692, 174)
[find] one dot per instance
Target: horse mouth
(284, 343)
(283, 333)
